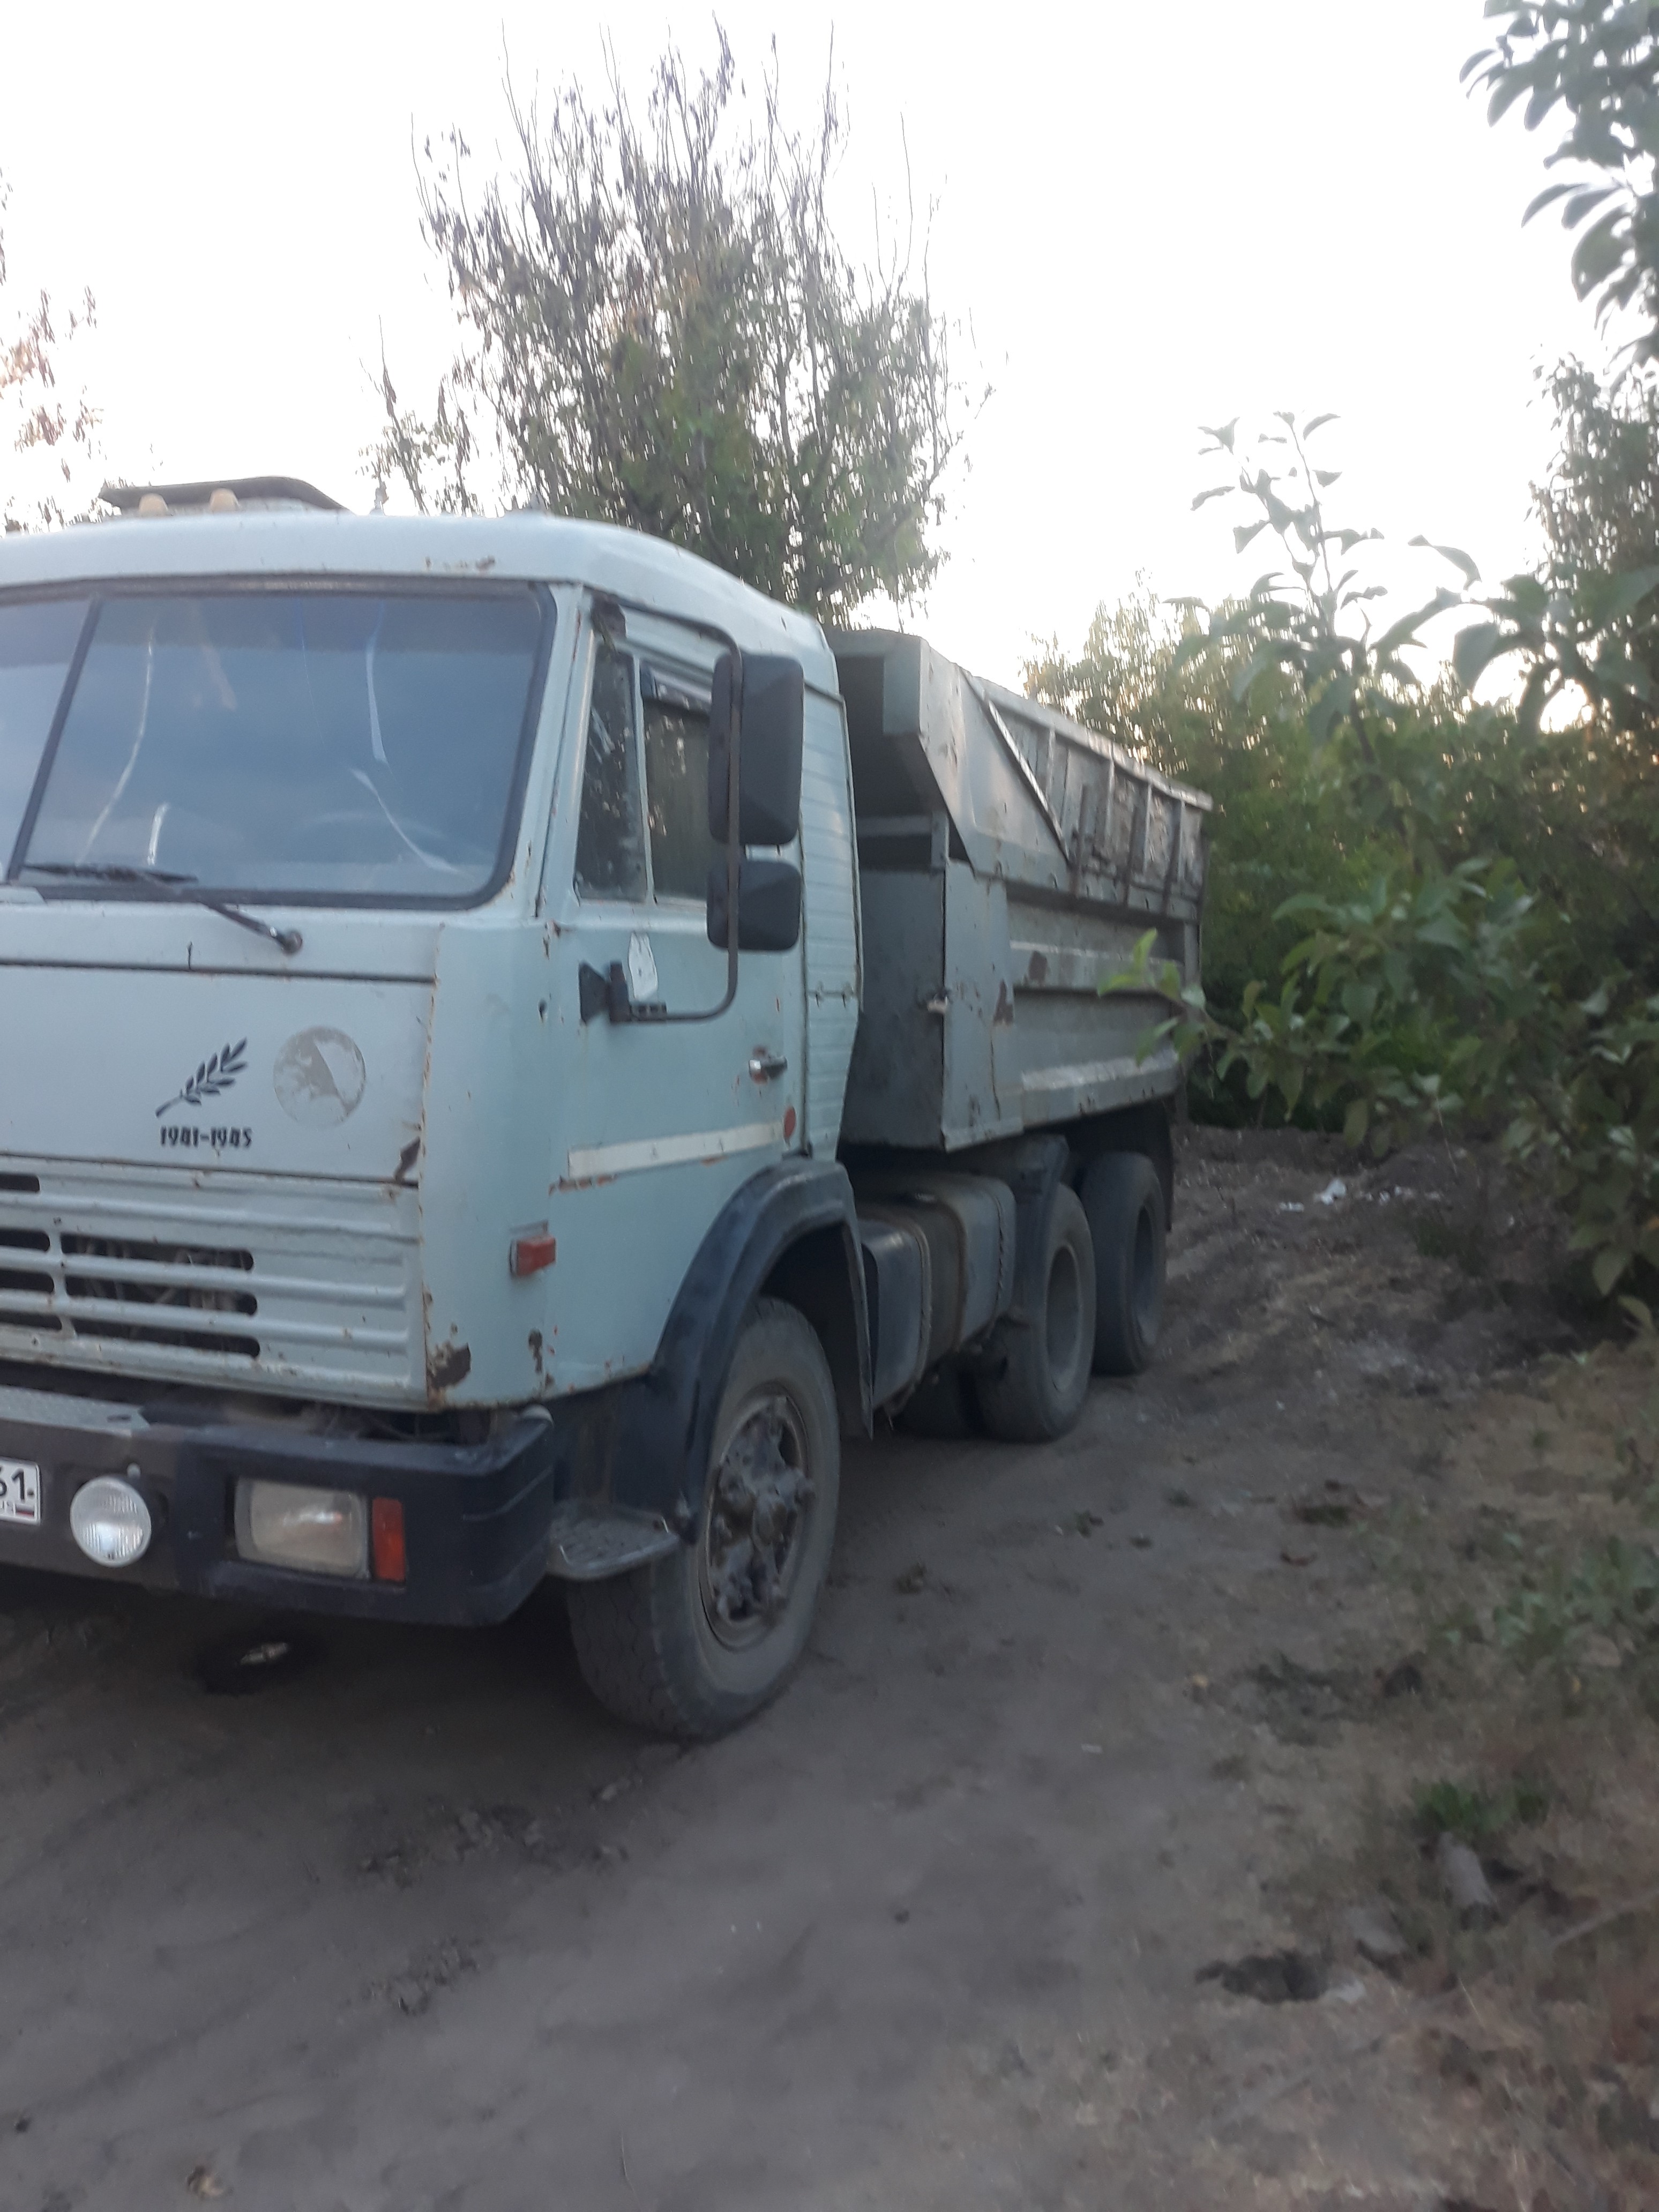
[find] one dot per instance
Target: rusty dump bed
(1010, 859)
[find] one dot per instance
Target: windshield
(272, 742)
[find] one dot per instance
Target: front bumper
(476, 1517)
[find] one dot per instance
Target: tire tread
(1017, 1404)
(633, 1646)
(1115, 1188)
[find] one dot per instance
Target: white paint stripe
(589, 1162)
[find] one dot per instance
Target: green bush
(1423, 911)
(1470, 897)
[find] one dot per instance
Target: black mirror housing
(762, 698)
(769, 907)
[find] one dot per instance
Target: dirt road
(418, 1927)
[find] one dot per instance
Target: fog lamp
(321, 1532)
(110, 1522)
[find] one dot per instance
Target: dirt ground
(1096, 1749)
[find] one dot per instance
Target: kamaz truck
(513, 1045)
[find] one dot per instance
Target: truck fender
(790, 1232)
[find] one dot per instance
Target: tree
(1498, 967)
(1588, 622)
(1313, 624)
(663, 330)
(35, 418)
(1598, 62)
(1589, 617)
(1281, 823)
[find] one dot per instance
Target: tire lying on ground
(1035, 1375)
(697, 1641)
(1123, 1199)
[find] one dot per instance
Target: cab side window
(676, 787)
(610, 831)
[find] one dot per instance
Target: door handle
(763, 1065)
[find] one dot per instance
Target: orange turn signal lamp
(530, 1250)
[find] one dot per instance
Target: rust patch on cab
(449, 1364)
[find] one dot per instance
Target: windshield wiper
(170, 887)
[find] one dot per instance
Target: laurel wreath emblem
(212, 1077)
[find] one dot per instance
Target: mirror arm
(733, 881)
(733, 878)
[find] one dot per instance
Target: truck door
(656, 1123)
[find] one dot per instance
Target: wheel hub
(759, 1502)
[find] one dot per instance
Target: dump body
(1010, 861)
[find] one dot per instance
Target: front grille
(153, 1274)
(185, 1340)
(97, 1282)
(15, 1277)
(166, 1256)
(313, 1288)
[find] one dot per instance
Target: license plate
(20, 1492)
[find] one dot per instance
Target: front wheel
(697, 1641)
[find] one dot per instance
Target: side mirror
(760, 703)
(769, 907)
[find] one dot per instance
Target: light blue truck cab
(408, 1188)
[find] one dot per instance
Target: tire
(693, 1643)
(1036, 1378)
(1124, 1201)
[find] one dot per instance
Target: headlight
(110, 1522)
(321, 1532)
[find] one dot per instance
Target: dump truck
(514, 1046)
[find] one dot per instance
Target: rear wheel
(1124, 1201)
(1036, 1376)
(695, 1642)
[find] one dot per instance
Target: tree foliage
(1588, 623)
(1425, 913)
(1281, 823)
(45, 432)
(661, 329)
(1496, 967)
(1318, 628)
(1499, 965)
(1594, 65)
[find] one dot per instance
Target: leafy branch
(1597, 62)
(1318, 626)
(63, 432)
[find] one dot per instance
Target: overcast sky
(1150, 216)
